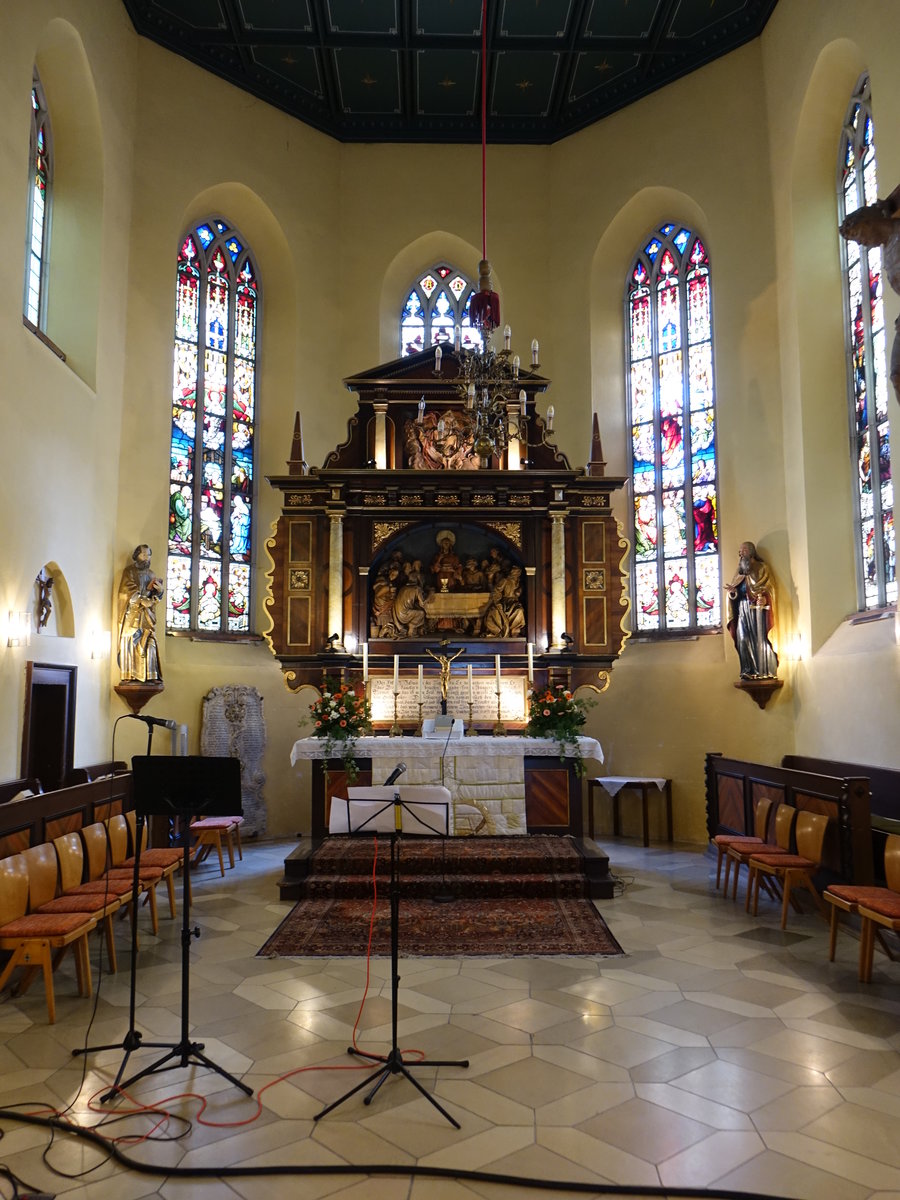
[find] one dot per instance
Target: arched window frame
(676, 544)
(873, 494)
(210, 544)
(37, 225)
(436, 303)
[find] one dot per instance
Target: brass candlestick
(395, 730)
(419, 730)
(499, 727)
(470, 732)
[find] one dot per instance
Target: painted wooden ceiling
(410, 70)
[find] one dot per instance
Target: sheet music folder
(424, 811)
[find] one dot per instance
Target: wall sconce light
(18, 629)
(101, 641)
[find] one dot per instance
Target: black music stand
(178, 786)
(398, 817)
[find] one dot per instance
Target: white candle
(471, 692)
(531, 662)
(365, 662)
(396, 674)
(497, 669)
(421, 685)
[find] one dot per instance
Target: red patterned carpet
(508, 896)
(495, 928)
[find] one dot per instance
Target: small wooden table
(614, 784)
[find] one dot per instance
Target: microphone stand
(393, 1062)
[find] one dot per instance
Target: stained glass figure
(671, 394)
(38, 221)
(437, 304)
(857, 185)
(211, 498)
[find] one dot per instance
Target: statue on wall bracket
(751, 618)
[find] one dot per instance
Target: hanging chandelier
(489, 379)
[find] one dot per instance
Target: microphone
(162, 722)
(395, 774)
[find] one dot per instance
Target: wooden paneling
(595, 631)
(299, 630)
(300, 542)
(593, 542)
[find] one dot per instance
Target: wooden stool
(210, 832)
(620, 783)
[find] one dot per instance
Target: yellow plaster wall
(338, 232)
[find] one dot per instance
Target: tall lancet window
(37, 230)
(671, 393)
(211, 493)
(868, 384)
(437, 303)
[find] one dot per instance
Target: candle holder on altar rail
(419, 728)
(471, 731)
(396, 730)
(499, 729)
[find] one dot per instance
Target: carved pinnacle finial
(297, 464)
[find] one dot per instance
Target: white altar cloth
(416, 747)
(485, 775)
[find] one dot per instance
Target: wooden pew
(42, 817)
(734, 788)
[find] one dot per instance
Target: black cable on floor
(413, 1171)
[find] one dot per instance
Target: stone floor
(720, 1053)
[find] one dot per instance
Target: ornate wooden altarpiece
(405, 539)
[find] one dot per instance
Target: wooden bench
(614, 785)
(734, 787)
(46, 815)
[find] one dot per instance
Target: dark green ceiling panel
(523, 83)
(296, 65)
(696, 16)
(622, 18)
(281, 15)
(199, 14)
(594, 71)
(363, 16)
(546, 19)
(368, 80)
(448, 18)
(448, 82)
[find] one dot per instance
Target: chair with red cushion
(847, 897)
(37, 941)
(740, 855)
(723, 840)
(792, 871)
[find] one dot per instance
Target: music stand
(384, 810)
(180, 786)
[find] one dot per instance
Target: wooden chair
(75, 896)
(149, 877)
(167, 858)
(792, 870)
(37, 941)
(722, 841)
(847, 897)
(881, 911)
(783, 825)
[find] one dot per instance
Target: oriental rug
(498, 928)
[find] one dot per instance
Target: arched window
(213, 420)
(37, 229)
(436, 304)
(868, 385)
(671, 392)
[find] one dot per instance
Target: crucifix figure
(444, 660)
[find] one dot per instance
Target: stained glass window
(868, 383)
(671, 395)
(437, 303)
(211, 495)
(40, 175)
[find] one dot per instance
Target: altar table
(520, 784)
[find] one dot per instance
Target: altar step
(531, 866)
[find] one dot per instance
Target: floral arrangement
(340, 716)
(555, 713)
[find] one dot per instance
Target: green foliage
(555, 713)
(340, 716)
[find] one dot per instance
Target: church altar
(515, 785)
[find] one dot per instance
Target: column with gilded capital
(336, 577)
(557, 579)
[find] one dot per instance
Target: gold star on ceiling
(447, 83)
(524, 85)
(368, 80)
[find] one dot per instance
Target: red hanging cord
(484, 128)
